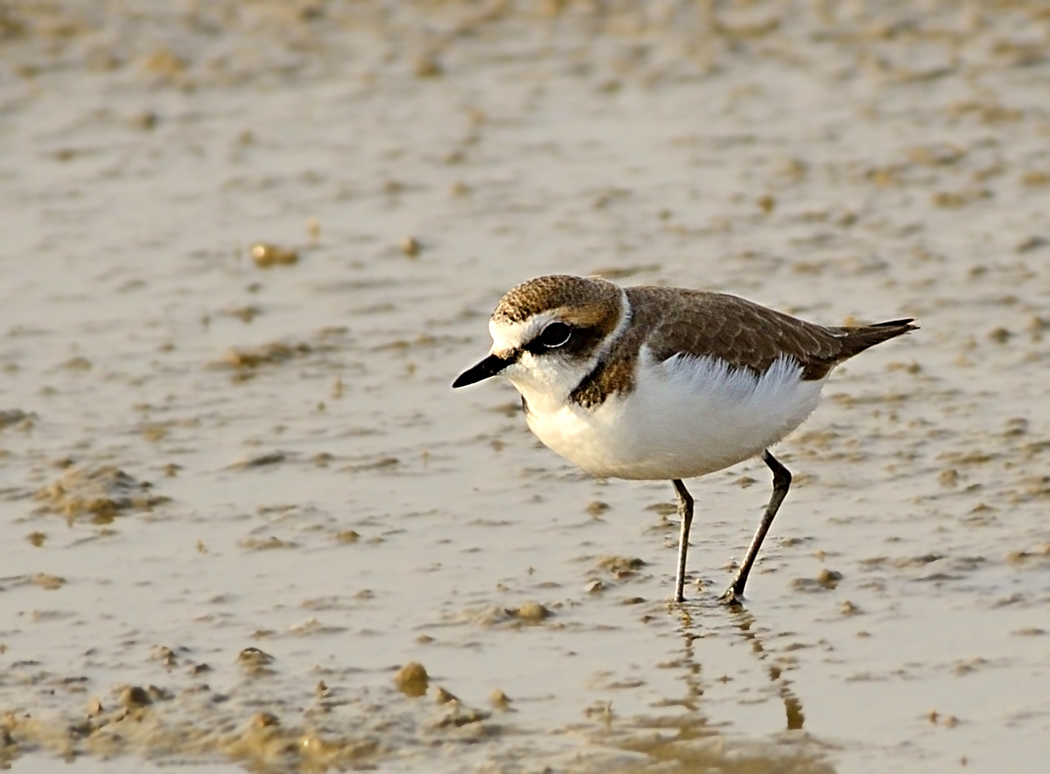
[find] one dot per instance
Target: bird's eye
(555, 335)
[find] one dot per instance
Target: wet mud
(247, 525)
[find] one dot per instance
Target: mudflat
(246, 246)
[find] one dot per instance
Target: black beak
(490, 366)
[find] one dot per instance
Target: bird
(664, 383)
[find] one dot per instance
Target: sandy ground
(239, 494)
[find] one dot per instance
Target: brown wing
(748, 335)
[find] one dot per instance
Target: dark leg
(685, 512)
(781, 482)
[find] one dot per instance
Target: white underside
(687, 416)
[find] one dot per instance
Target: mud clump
(621, 566)
(1020, 557)
(266, 544)
(263, 742)
(16, 418)
(531, 612)
(268, 354)
(412, 679)
(260, 461)
(267, 255)
(443, 696)
(458, 717)
(410, 246)
(255, 661)
(827, 580)
(48, 582)
(264, 720)
(134, 697)
(100, 493)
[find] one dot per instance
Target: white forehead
(510, 336)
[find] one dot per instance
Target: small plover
(660, 383)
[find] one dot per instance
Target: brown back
(740, 332)
(748, 335)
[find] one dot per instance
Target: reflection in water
(693, 674)
(744, 623)
(698, 742)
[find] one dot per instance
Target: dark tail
(906, 324)
(857, 339)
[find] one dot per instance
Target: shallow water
(203, 455)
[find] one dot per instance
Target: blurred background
(245, 246)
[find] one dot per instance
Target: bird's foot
(732, 597)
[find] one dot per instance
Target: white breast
(687, 416)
